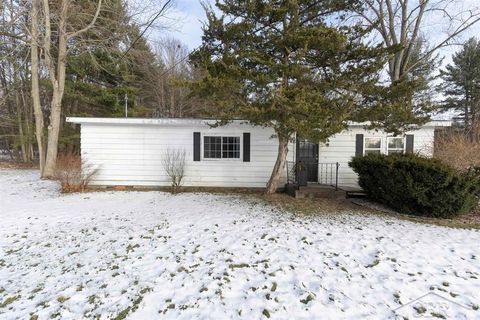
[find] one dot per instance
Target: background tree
(65, 21)
(405, 24)
(95, 40)
(462, 84)
(284, 65)
(16, 118)
(99, 71)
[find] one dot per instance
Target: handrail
(327, 172)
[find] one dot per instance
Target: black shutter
(409, 143)
(246, 147)
(359, 145)
(196, 146)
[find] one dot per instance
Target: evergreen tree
(284, 65)
(462, 83)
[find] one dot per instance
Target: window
(395, 145)
(217, 147)
(373, 145)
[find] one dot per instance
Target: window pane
(231, 147)
(395, 151)
(372, 152)
(212, 147)
(373, 143)
(395, 143)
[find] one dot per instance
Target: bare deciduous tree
(55, 52)
(173, 162)
(402, 23)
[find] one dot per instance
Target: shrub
(173, 162)
(459, 149)
(417, 185)
(72, 174)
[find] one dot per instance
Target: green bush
(417, 185)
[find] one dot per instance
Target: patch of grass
(145, 290)
(123, 314)
(420, 309)
(131, 248)
(309, 298)
(182, 269)
(466, 221)
(37, 289)
(10, 251)
(274, 287)
(308, 206)
(266, 313)
(373, 264)
(92, 299)
(9, 300)
(234, 266)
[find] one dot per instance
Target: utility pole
(126, 105)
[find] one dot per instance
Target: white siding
(341, 148)
(131, 154)
(129, 151)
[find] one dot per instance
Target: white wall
(341, 148)
(130, 154)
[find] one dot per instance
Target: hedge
(417, 185)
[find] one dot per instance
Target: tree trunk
(53, 135)
(57, 95)
(23, 140)
(279, 165)
(37, 109)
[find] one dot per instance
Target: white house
(129, 151)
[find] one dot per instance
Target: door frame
(312, 165)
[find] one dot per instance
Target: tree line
(302, 67)
(69, 58)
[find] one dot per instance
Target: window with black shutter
(221, 147)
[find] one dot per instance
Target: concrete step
(355, 194)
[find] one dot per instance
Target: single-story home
(129, 151)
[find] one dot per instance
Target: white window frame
(396, 149)
(367, 149)
(221, 135)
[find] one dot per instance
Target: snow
(145, 255)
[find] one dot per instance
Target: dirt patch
(466, 221)
(311, 206)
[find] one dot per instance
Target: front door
(307, 158)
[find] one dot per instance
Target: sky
(189, 16)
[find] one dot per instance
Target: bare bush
(73, 174)
(458, 149)
(173, 162)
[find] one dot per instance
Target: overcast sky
(190, 16)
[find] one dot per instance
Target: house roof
(195, 121)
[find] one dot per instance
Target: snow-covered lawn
(148, 255)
